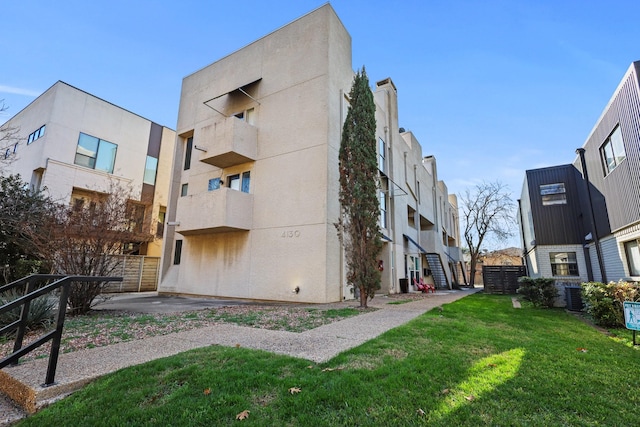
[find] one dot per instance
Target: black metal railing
(20, 325)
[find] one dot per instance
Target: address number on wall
(290, 234)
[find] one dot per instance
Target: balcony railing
(227, 143)
(216, 211)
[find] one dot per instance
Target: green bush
(541, 292)
(41, 310)
(604, 302)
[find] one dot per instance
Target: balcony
(227, 143)
(217, 211)
(428, 240)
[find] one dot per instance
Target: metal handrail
(55, 336)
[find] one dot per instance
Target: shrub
(604, 302)
(541, 292)
(41, 310)
(598, 301)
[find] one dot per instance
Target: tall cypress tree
(358, 226)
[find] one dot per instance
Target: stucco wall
(303, 71)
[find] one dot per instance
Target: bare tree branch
(487, 211)
(86, 237)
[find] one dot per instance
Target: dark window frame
(553, 194)
(188, 153)
(564, 269)
(36, 134)
(618, 152)
(177, 254)
(94, 161)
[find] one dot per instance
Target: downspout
(524, 241)
(594, 230)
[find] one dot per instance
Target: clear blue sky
(491, 88)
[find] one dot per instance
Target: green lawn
(478, 362)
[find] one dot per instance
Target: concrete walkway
(318, 345)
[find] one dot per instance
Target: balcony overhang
(217, 102)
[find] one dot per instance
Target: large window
(563, 263)
(612, 151)
(632, 250)
(553, 194)
(95, 153)
(150, 169)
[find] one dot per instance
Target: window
(38, 133)
(612, 151)
(214, 184)
(95, 153)
(413, 267)
(553, 194)
(136, 213)
(162, 215)
(383, 209)
(382, 153)
(184, 190)
(248, 116)
(246, 179)
(178, 252)
(235, 183)
(150, 169)
(36, 179)
(187, 153)
(632, 250)
(563, 263)
(411, 217)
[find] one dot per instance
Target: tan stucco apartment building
(254, 191)
(76, 145)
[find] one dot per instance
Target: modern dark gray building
(582, 221)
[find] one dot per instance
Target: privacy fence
(140, 273)
(502, 279)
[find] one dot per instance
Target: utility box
(574, 298)
(404, 286)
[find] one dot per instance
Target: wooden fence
(502, 279)
(140, 273)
